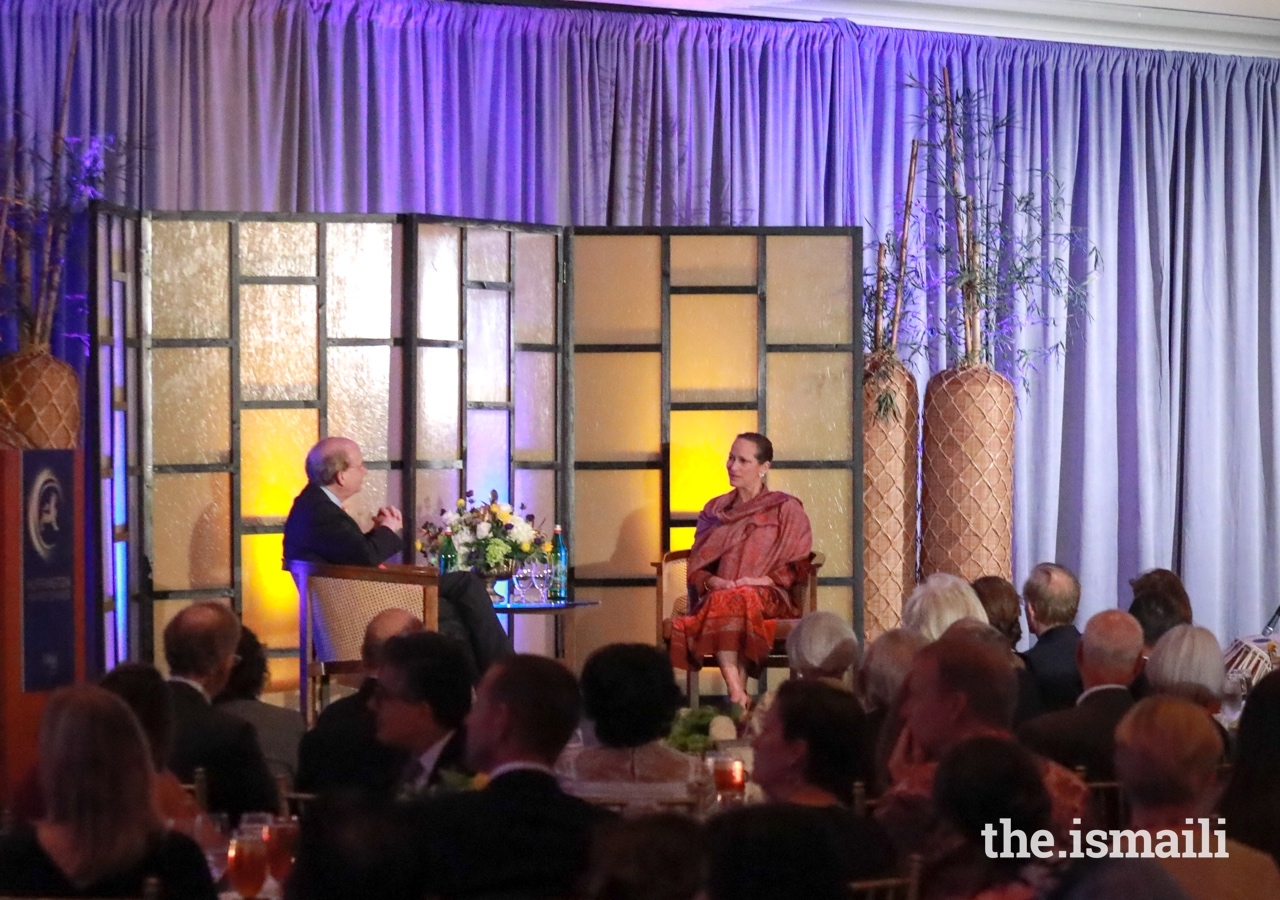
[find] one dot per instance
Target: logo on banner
(44, 514)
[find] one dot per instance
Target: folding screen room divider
(595, 375)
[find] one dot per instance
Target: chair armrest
(394, 573)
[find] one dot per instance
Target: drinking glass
(247, 861)
(1233, 695)
(282, 846)
(730, 775)
(523, 579)
(542, 578)
(210, 831)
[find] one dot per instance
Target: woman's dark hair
(249, 675)
(654, 857)
(985, 779)
(143, 688)
(764, 446)
(1160, 602)
(630, 693)
(1251, 801)
(774, 851)
(1000, 599)
(831, 723)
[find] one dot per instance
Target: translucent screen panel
(713, 260)
(360, 404)
(359, 262)
(381, 488)
(617, 406)
(437, 489)
(273, 447)
(836, 599)
(810, 289)
(616, 526)
(700, 443)
(488, 346)
(488, 453)
(827, 495)
(536, 489)
(488, 254)
(270, 598)
(535, 288)
(278, 342)
(282, 675)
(192, 540)
(617, 289)
(625, 615)
(811, 405)
(682, 538)
(278, 248)
(439, 276)
(714, 348)
(535, 394)
(439, 433)
(191, 419)
(189, 280)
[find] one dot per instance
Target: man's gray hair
(886, 664)
(937, 602)
(326, 459)
(1053, 593)
(1187, 662)
(822, 643)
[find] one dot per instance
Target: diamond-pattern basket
(40, 399)
(966, 516)
(891, 431)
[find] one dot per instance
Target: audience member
(351, 846)
(1000, 599)
(659, 856)
(1052, 594)
(985, 781)
(630, 699)
(774, 852)
(342, 751)
(421, 699)
(809, 754)
(822, 645)
(278, 729)
(100, 835)
(521, 835)
(938, 601)
(1187, 662)
(1160, 602)
(1109, 657)
(958, 688)
(200, 647)
(1029, 704)
(1167, 757)
(883, 672)
(1251, 802)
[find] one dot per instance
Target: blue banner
(48, 569)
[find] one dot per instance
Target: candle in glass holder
(730, 775)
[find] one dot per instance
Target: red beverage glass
(247, 862)
(282, 846)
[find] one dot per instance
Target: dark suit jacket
(522, 836)
(452, 759)
(1053, 663)
(1084, 735)
(319, 530)
(342, 750)
(226, 747)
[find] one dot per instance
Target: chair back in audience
(904, 887)
(634, 798)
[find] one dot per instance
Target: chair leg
(692, 682)
(762, 681)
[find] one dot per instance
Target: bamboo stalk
(51, 277)
(8, 203)
(973, 313)
(877, 340)
(902, 244)
(963, 226)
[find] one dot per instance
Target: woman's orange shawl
(766, 537)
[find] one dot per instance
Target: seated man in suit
(1052, 594)
(342, 750)
(200, 647)
(318, 529)
(422, 696)
(1109, 656)
(521, 836)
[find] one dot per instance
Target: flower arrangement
(489, 538)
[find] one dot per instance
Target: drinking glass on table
(730, 774)
(523, 579)
(1234, 692)
(247, 861)
(211, 832)
(542, 578)
(282, 846)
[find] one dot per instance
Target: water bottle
(448, 556)
(559, 590)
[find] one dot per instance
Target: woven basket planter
(40, 399)
(966, 516)
(891, 431)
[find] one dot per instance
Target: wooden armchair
(905, 887)
(335, 603)
(673, 600)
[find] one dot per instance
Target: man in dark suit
(200, 646)
(318, 529)
(521, 836)
(1109, 657)
(342, 751)
(1052, 595)
(421, 699)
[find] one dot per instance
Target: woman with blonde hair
(100, 834)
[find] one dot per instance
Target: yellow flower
(546, 547)
(504, 517)
(462, 504)
(526, 547)
(418, 545)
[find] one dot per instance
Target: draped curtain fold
(1154, 439)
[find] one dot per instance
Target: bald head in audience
(381, 628)
(1110, 652)
(200, 645)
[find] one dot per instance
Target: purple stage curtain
(1154, 440)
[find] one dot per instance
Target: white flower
(522, 532)
(452, 521)
(504, 507)
(722, 729)
(482, 530)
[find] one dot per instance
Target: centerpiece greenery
(490, 538)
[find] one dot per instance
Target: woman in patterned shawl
(751, 545)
